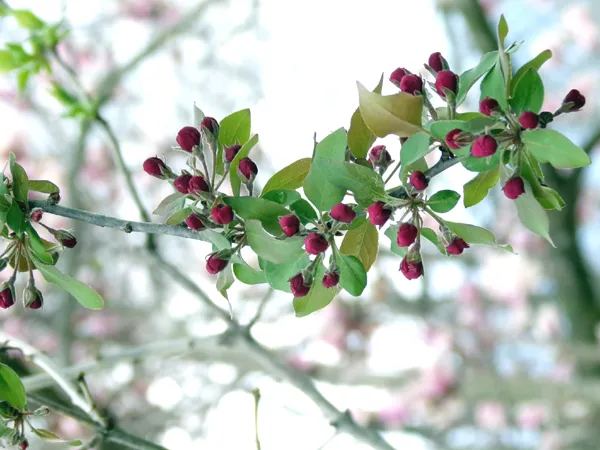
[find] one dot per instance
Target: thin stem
(436, 169)
(430, 107)
(261, 307)
(256, 395)
(389, 177)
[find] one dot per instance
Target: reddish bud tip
(575, 97)
(529, 120)
(248, 169)
(451, 139)
(407, 233)
(331, 279)
(457, 246)
(446, 80)
(378, 213)
(197, 184)
(342, 213)
(379, 156)
(231, 152)
(211, 125)
(411, 84)
(155, 167)
(418, 180)
(7, 294)
(514, 188)
(484, 146)
(488, 106)
(222, 214)
(315, 243)
(437, 62)
(298, 286)
(397, 75)
(182, 183)
(36, 215)
(188, 138)
(32, 298)
(411, 269)
(194, 222)
(24, 445)
(214, 264)
(290, 225)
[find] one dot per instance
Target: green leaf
(470, 77)
(271, 249)
(248, 275)
(528, 94)
(15, 218)
(278, 275)
(218, 240)
(443, 201)
(398, 114)
(493, 86)
(432, 237)
(475, 164)
(321, 193)
(290, 177)
(45, 186)
(555, 148)
(535, 64)
(5, 203)
(225, 280)
(353, 276)
(392, 234)
(546, 196)
(178, 217)
(420, 165)
(198, 115)
(249, 208)
(285, 198)
(362, 242)
(50, 436)
(8, 62)
(503, 57)
(22, 80)
(441, 128)
(318, 297)
(37, 245)
(170, 204)
(27, 19)
(234, 178)
(533, 215)
(235, 128)
(20, 182)
(477, 189)
(473, 234)
(11, 388)
(84, 294)
(305, 212)
(415, 148)
(360, 138)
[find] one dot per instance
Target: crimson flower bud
(315, 243)
(197, 184)
(156, 167)
(32, 298)
(194, 222)
(182, 183)
(215, 263)
(222, 214)
(446, 80)
(411, 84)
(378, 213)
(65, 238)
(407, 233)
(488, 106)
(231, 152)
(298, 286)
(36, 214)
(24, 445)
(418, 180)
(484, 146)
(290, 225)
(514, 188)
(529, 120)
(247, 170)
(210, 128)
(7, 294)
(379, 156)
(331, 279)
(397, 75)
(411, 269)
(342, 213)
(188, 138)
(576, 98)
(437, 62)
(457, 246)
(451, 139)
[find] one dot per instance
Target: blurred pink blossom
(532, 415)
(490, 415)
(394, 416)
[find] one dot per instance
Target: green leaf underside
(234, 178)
(443, 201)
(11, 388)
(248, 275)
(170, 204)
(360, 137)
(432, 237)
(553, 147)
(37, 246)
(318, 297)
(50, 436)
(415, 148)
(473, 234)
(225, 280)
(290, 177)
(253, 208)
(392, 234)
(362, 242)
(271, 249)
(234, 128)
(533, 215)
(177, 217)
(477, 189)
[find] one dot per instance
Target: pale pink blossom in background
(532, 415)
(551, 440)
(547, 322)
(394, 416)
(490, 415)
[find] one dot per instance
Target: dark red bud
(298, 286)
(155, 167)
(529, 120)
(488, 106)
(182, 183)
(457, 246)
(437, 62)
(214, 264)
(451, 139)
(411, 269)
(397, 75)
(378, 213)
(290, 225)
(231, 152)
(315, 243)
(446, 79)
(484, 146)
(197, 184)
(194, 222)
(411, 84)
(248, 169)
(222, 214)
(342, 213)
(379, 156)
(210, 124)
(36, 214)
(418, 180)
(188, 138)
(407, 233)
(575, 97)
(403, 140)
(331, 279)
(7, 295)
(24, 445)
(514, 188)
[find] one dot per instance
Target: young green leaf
(235, 128)
(392, 234)
(44, 186)
(477, 189)
(11, 388)
(474, 164)
(305, 212)
(170, 204)
(353, 276)
(535, 64)
(473, 234)
(443, 201)
(178, 217)
(278, 275)
(15, 219)
(528, 94)
(234, 178)
(415, 148)
(360, 138)
(51, 437)
(441, 128)
(37, 245)
(271, 249)
(225, 280)
(249, 208)
(283, 197)
(20, 181)
(533, 215)
(362, 242)
(493, 86)
(318, 297)
(555, 148)
(470, 77)
(8, 62)
(27, 19)
(432, 237)
(248, 275)
(290, 177)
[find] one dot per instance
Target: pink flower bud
(457, 246)
(446, 80)
(182, 183)
(298, 286)
(290, 225)
(407, 233)
(418, 180)
(529, 120)
(194, 222)
(397, 75)
(197, 184)
(248, 169)
(488, 106)
(210, 126)
(437, 62)
(215, 264)
(514, 188)
(379, 156)
(188, 138)
(7, 294)
(222, 214)
(342, 213)
(331, 279)
(231, 152)
(411, 84)
(576, 98)
(451, 139)
(155, 167)
(315, 243)
(36, 214)
(411, 269)
(484, 146)
(378, 213)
